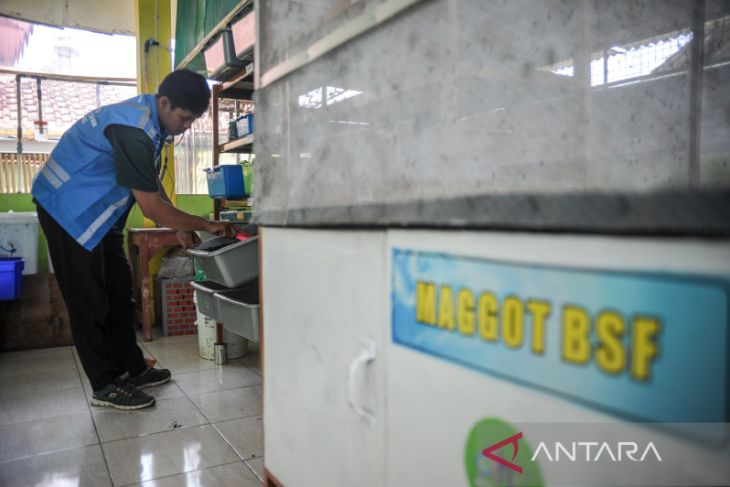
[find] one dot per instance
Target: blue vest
(78, 185)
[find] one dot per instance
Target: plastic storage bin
(226, 263)
(220, 56)
(11, 270)
(244, 125)
(205, 300)
(226, 181)
(244, 35)
(240, 309)
(248, 178)
(19, 238)
(236, 216)
(236, 345)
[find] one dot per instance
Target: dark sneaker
(122, 396)
(150, 378)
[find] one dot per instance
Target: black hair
(186, 89)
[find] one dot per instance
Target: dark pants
(97, 288)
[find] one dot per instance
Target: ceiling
(108, 16)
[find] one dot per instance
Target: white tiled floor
(204, 430)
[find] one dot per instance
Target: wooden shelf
(226, 203)
(240, 86)
(244, 145)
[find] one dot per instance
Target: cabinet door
(439, 391)
(324, 305)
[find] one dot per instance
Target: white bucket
(19, 238)
(236, 345)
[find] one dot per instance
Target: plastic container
(220, 56)
(244, 125)
(236, 346)
(204, 298)
(248, 178)
(236, 216)
(19, 237)
(244, 35)
(240, 310)
(11, 270)
(226, 181)
(231, 265)
(205, 292)
(199, 273)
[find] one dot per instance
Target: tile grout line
(49, 452)
(245, 462)
(176, 474)
(209, 423)
(218, 431)
(40, 418)
(93, 420)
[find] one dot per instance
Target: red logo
(488, 452)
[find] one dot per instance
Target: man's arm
(154, 207)
(186, 238)
(163, 193)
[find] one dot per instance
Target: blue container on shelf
(11, 270)
(244, 125)
(226, 181)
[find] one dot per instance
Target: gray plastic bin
(231, 265)
(205, 300)
(240, 310)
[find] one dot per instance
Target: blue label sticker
(649, 346)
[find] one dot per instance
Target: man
(102, 165)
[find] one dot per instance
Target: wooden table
(143, 244)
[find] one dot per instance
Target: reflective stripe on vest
(77, 186)
(101, 219)
(54, 173)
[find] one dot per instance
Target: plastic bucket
(11, 270)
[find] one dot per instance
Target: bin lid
(19, 217)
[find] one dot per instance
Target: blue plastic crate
(11, 270)
(226, 181)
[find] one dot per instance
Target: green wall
(16, 202)
(197, 204)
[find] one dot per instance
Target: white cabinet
(322, 307)
(331, 297)
(434, 400)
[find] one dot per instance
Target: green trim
(197, 204)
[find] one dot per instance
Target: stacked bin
(230, 295)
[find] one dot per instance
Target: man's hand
(221, 229)
(186, 238)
